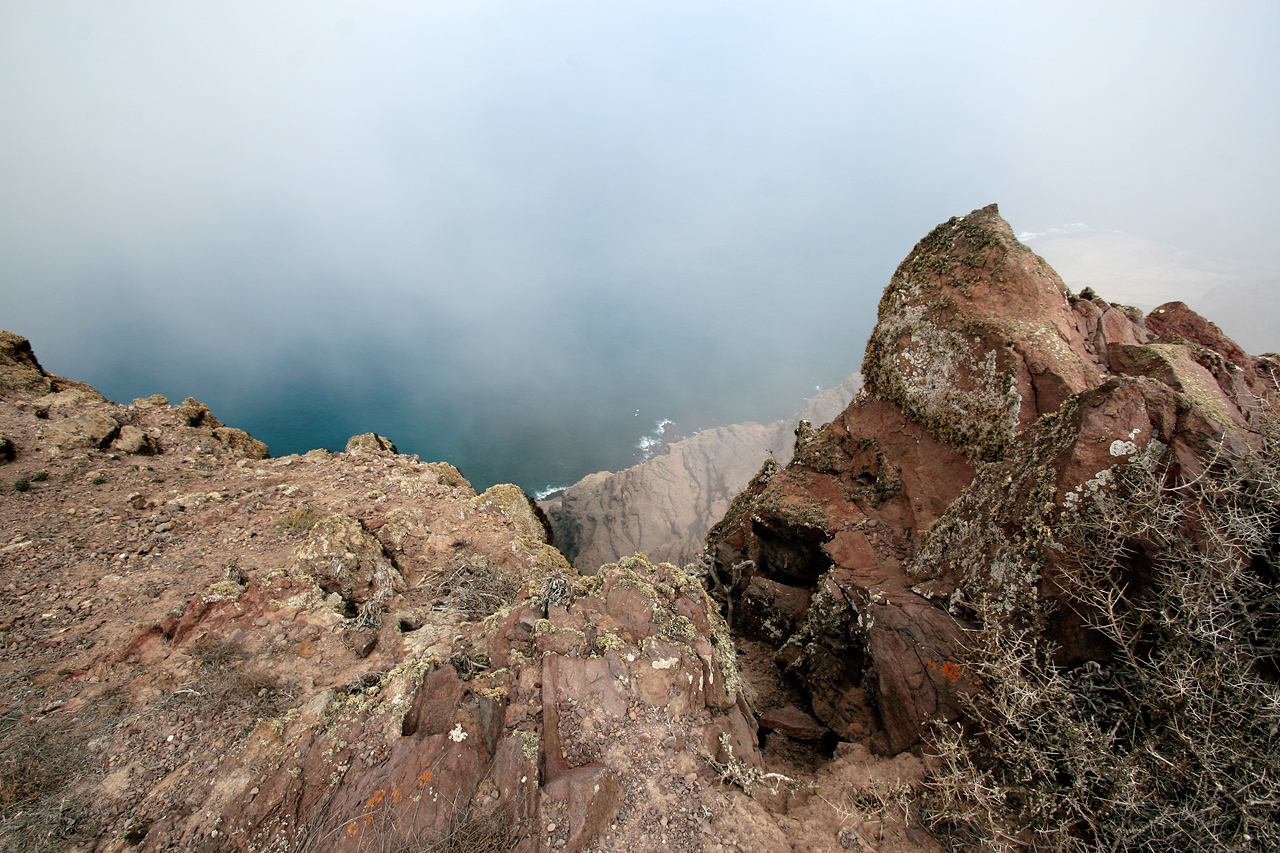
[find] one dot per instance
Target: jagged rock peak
(21, 376)
(977, 336)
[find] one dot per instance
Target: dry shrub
(300, 520)
(226, 681)
(216, 652)
(1173, 743)
(864, 811)
(475, 588)
(250, 686)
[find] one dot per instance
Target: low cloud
(495, 230)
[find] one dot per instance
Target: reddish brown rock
(981, 355)
(793, 723)
(592, 795)
(1175, 321)
(771, 611)
(1245, 379)
(977, 336)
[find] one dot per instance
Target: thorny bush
(1173, 741)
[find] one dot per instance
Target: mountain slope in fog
(663, 507)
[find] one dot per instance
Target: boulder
(593, 797)
(240, 443)
(191, 412)
(342, 557)
(771, 611)
(133, 440)
(370, 442)
(511, 500)
(91, 430)
(794, 723)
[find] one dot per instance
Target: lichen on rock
(342, 557)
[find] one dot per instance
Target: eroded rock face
(982, 365)
(539, 713)
(664, 507)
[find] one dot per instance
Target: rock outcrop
(664, 507)
(21, 376)
(370, 441)
(993, 395)
(205, 650)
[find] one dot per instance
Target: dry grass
(390, 828)
(47, 769)
(475, 831)
(224, 682)
(215, 652)
(300, 520)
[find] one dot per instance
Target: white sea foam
(648, 444)
(543, 493)
(1063, 231)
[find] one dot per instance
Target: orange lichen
(950, 669)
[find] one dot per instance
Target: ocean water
(541, 419)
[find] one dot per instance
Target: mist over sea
(541, 415)
(519, 237)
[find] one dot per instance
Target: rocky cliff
(664, 507)
(206, 649)
(996, 401)
(1046, 517)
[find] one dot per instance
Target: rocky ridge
(994, 400)
(664, 506)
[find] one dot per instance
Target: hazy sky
(494, 230)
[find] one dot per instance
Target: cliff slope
(664, 507)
